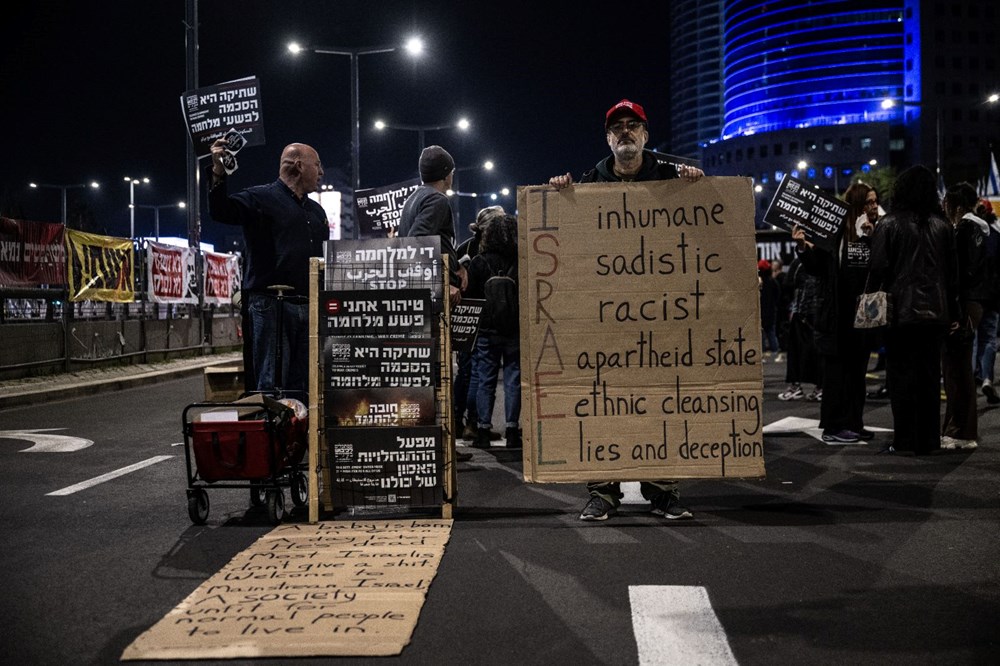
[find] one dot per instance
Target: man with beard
(625, 126)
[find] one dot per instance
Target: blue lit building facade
(811, 81)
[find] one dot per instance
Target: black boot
(513, 437)
(482, 440)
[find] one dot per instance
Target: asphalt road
(838, 556)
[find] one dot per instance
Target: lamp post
(62, 188)
(414, 46)
(462, 124)
(156, 209)
(132, 182)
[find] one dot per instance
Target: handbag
(874, 309)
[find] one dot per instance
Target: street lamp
(156, 209)
(414, 46)
(132, 182)
(62, 188)
(462, 124)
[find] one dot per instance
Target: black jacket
(652, 169)
(840, 280)
(915, 261)
(971, 235)
(427, 212)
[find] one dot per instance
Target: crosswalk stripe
(675, 624)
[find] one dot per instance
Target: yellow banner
(100, 268)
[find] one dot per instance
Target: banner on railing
(31, 253)
(222, 278)
(170, 274)
(101, 268)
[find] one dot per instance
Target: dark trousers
(803, 361)
(913, 366)
(844, 390)
(960, 416)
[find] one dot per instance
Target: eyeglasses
(623, 126)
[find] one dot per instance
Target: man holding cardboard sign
(625, 125)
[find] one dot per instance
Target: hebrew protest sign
(378, 209)
(101, 268)
(31, 253)
(170, 274)
(211, 112)
(640, 331)
(821, 216)
(221, 278)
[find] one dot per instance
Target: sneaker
(990, 392)
(967, 444)
(815, 395)
(793, 392)
(780, 358)
(845, 436)
(597, 508)
(949, 443)
(482, 440)
(668, 506)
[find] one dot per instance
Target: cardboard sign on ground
(640, 331)
(344, 588)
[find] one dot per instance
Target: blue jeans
(491, 351)
(770, 335)
(986, 345)
(466, 384)
(263, 311)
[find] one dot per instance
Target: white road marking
(83, 485)
(675, 624)
(792, 424)
(46, 443)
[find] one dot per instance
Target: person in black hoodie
(498, 341)
(913, 259)
(961, 429)
(625, 127)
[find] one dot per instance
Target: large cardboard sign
(821, 216)
(378, 209)
(640, 331)
(212, 111)
(31, 253)
(344, 588)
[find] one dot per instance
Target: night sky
(92, 91)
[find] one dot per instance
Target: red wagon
(256, 443)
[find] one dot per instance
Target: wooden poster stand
(318, 474)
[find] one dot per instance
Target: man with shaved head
(282, 229)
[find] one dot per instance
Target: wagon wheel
(275, 505)
(197, 505)
(257, 494)
(300, 489)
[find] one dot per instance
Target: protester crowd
(938, 260)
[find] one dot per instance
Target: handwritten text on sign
(640, 347)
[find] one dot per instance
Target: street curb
(31, 396)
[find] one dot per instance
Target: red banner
(31, 253)
(222, 278)
(170, 274)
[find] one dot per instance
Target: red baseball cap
(763, 265)
(622, 108)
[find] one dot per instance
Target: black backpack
(500, 292)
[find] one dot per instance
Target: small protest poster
(403, 313)
(211, 112)
(387, 264)
(221, 278)
(640, 331)
(465, 323)
(376, 363)
(378, 209)
(383, 407)
(798, 203)
(386, 466)
(31, 253)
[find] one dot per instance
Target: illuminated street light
(462, 124)
(156, 209)
(132, 182)
(62, 188)
(992, 99)
(413, 46)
